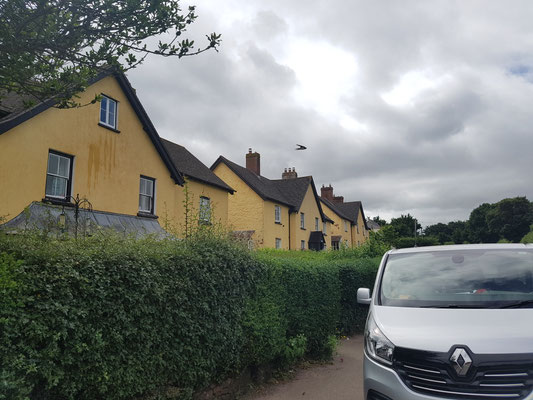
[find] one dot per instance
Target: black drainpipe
(289, 228)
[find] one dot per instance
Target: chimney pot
(289, 173)
(338, 199)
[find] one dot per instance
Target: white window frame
(277, 214)
(302, 220)
(302, 244)
(204, 212)
(56, 175)
(324, 228)
(345, 226)
(278, 243)
(150, 196)
(106, 122)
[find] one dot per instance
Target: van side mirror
(363, 296)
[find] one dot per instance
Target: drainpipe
(289, 228)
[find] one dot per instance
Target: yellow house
(360, 231)
(349, 227)
(276, 213)
(107, 158)
(339, 230)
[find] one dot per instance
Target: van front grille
(490, 376)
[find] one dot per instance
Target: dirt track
(340, 380)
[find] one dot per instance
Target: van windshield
(459, 279)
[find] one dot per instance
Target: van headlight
(377, 346)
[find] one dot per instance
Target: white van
(451, 322)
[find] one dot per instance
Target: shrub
(354, 274)
(309, 298)
(528, 238)
(420, 241)
(294, 350)
(110, 317)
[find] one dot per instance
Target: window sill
(277, 223)
(58, 202)
(108, 127)
(147, 215)
(303, 229)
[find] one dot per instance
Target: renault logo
(461, 361)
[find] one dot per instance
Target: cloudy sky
(421, 107)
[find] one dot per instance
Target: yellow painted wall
(327, 234)
(245, 207)
(272, 230)
(360, 234)
(337, 228)
(107, 165)
(310, 208)
(173, 213)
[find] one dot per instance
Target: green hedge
(113, 318)
(420, 241)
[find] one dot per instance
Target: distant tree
(511, 218)
(460, 231)
(53, 48)
(479, 225)
(386, 236)
(441, 231)
(507, 219)
(528, 238)
(405, 225)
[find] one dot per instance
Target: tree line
(508, 220)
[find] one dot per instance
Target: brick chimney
(327, 192)
(338, 199)
(289, 174)
(253, 162)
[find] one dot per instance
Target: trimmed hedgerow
(115, 318)
(109, 317)
(354, 274)
(307, 294)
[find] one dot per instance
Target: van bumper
(383, 383)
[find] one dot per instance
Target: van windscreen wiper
(518, 304)
(453, 306)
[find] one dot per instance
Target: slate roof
(190, 166)
(328, 219)
(289, 192)
(353, 208)
(12, 104)
(19, 115)
(372, 224)
(341, 213)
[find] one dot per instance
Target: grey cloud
(461, 143)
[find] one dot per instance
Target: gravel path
(340, 380)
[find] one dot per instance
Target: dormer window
(108, 112)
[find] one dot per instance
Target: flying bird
(300, 147)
